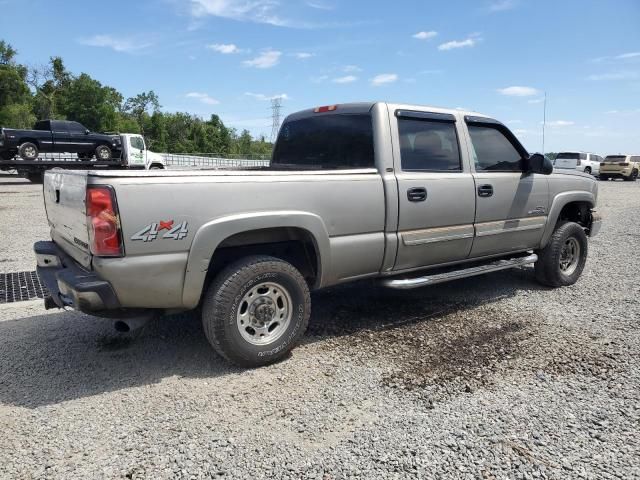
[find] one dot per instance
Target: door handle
(417, 194)
(485, 190)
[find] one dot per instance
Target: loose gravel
(486, 378)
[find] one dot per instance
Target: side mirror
(87, 131)
(538, 163)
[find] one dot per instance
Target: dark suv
(57, 136)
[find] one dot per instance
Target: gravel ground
(492, 377)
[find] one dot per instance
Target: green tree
(141, 105)
(15, 96)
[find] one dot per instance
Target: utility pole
(544, 120)
(276, 105)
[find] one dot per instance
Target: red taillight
(623, 164)
(328, 108)
(104, 224)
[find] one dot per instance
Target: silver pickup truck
(406, 194)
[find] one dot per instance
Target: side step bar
(407, 283)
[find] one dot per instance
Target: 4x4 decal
(153, 230)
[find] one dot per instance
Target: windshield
(325, 142)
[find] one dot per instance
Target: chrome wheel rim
(104, 154)
(569, 256)
(30, 152)
(264, 313)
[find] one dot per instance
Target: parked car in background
(57, 136)
(583, 161)
(620, 166)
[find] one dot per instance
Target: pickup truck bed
(412, 195)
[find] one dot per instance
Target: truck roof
(364, 107)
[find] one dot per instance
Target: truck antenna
(544, 119)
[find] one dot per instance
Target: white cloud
(320, 79)
(560, 123)
(614, 76)
(384, 79)
(469, 42)
(502, 5)
(536, 100)
(351, 68)
(118, 43)
(259, 11)
(625, 56)
(425, 35)
(263, 97)
(346, 79)
(267, 59)
(304, 55)
(320, 5)
(203, 97)
(517, 91)
(225, 48)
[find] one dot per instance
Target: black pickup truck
(57, 136)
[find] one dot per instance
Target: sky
(230, 57)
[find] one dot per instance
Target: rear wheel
(103, 152)
(28, 151)
(633, 177)
(561, 262)
(256, 310)
(587, 170)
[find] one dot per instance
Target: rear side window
(325, 142)
(635, 158)
(492, 150)
(428, 145)
(42, 125)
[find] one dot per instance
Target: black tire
(633, 177)
(28, 151)
(604, 178)
(103, 152)
(587, 170)
(155, 166)
(226, 298)
(548, 267)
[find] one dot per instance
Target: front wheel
(256, 310)
(587, 170)
(561, 262)
(103, 152)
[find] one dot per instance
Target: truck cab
(136, 154)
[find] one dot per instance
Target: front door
(511, 204)
(136, 153)
(436, 192)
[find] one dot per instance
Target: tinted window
(136, 142)
(567, 155)
(492, 151)
(635, 158)
(76, 127)
(583, 156)
(615, 158)
(428, 145)
(42, 125)
(325, 142)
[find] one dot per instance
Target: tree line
(31, 93)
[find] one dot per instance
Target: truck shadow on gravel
(52, 358)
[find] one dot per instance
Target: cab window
(492, 150)
(136, 142)
(430, 146)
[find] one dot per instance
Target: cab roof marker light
(326, 108)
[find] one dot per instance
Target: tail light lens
(104, 224)
(623, 164)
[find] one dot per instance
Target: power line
(276, 105)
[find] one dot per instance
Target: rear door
(61, 136)
(435, 188)
(511, 205)
(568, 160)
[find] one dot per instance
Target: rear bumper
(69, 284)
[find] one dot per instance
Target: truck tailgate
(65, 202)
